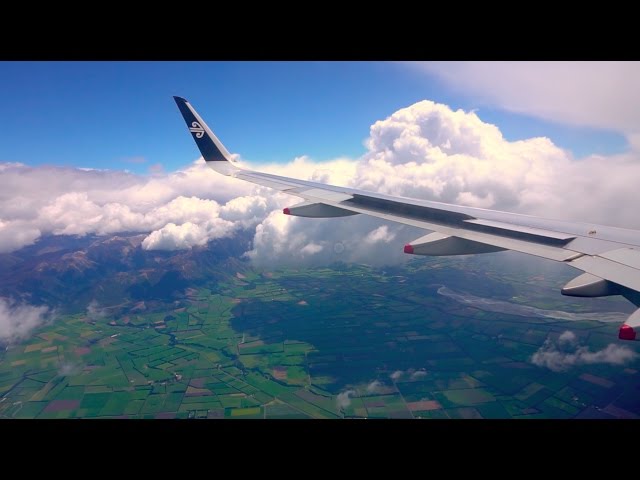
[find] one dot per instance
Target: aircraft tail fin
(212, 149)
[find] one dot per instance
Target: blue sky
(116, 114)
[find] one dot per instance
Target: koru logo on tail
(197, 129)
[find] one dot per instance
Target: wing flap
(537, 249)
(323, 194)
(587, 285)
(534, 234)
(317, 210)
(625, 256)
(437, 244)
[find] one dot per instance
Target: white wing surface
(609, 256)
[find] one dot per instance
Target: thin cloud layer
(411, 374)
(374, 387)
(18, 320)
(343, 399)
(94, 311)
(594, 94)
(426, 151)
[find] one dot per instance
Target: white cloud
(67, 201)
(248, 210)
(380, 234)
(94, 311)
(343, 399)
(175, 237)
(17, 234)
(311, 249)
(374, 387)
(412, 373)
(336, 172)
(594, 94)
(68, 369)
(7, 165)
(426, 151)
(567, 338)
(186, 235)
(566, 352)
(17, 321)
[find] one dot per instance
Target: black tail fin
(211, 148)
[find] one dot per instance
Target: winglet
(212, 150)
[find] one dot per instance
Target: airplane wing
(609, 256)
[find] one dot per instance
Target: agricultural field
(340, 342)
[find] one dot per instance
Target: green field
(291, 343)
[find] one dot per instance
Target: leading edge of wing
(589, 239)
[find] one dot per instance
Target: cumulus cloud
(247, 211)
(418, 374)
(427, 151)
(566, 352)
(343, 399)
(188, 234)
(594, 94)
(35, 201)
(567, 338)
(396, 375)
(17, 321)
(380, 234)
